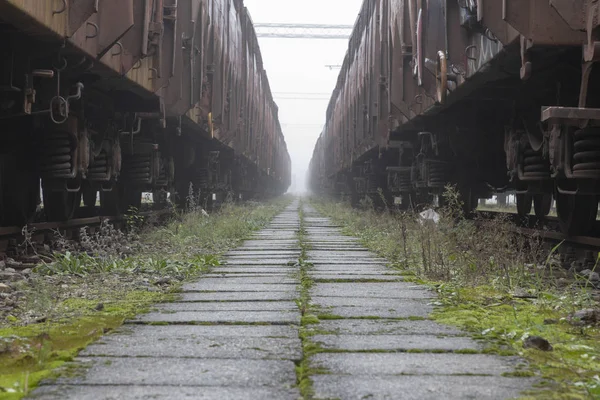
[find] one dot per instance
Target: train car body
(489, 95)
(129, 96)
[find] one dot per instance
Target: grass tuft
(498, 285)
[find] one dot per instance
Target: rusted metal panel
(572, 11)
(115, 18)
(37, 17)
(540, 23)
(100, 34)
(490, 15)
(128, 54)
(79, 12)
(142, 74)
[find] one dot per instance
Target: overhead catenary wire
(303, 31)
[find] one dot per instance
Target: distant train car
(489, 95)
(129, 96)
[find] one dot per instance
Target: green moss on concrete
(572, 368)
(31, 353)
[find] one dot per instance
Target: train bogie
(111, 99)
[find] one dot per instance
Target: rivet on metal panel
(62, 9)
(120, 46)
(95, 30)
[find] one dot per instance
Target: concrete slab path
(376, 339)
(235, 333)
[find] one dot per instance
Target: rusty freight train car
(489, 95)
(122, 97)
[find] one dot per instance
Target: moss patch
(479, 268)
(30, 353)
(572, 369)
(81, 297)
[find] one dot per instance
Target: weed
(88, 288)
(492, 282)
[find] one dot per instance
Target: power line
(301, 93)
(311, 125)
(303, 31)
(301, 98)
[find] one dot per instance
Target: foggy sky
(296, 67)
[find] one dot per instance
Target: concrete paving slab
(229, 306)
(259, 331)
(349, 278)
(338, 247)
(185, 372)
(254, 270)
(202, 286)
(357, 253)
(386, 327)
(361, 261)
(239, 296)
(221, 317)
(418, 387)
(237, 274)
(254, 257)
(372, 364)
(264, 252)
(281, 244)
(277, 234)
(366, 302)
(271, 267)
(392, 290)
(395, 343)
(177, 345)
(266, 280)
(329, 241)
(270, 261)
(346, 261)
(353, 268)
(167, 392)
(407, 310)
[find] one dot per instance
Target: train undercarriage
(539, 140)
(83, 146)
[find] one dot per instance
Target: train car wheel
(19, 192)
(110, 202)
(542, 204)
(60, 205)
(524, 204)
(120, 200)
(131, 199)
(159, 197)
(576, 214)
(470, 203)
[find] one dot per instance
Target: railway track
(41, 232)
(581, 249)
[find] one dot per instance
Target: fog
(298, 72)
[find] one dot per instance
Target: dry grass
(492, 282)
